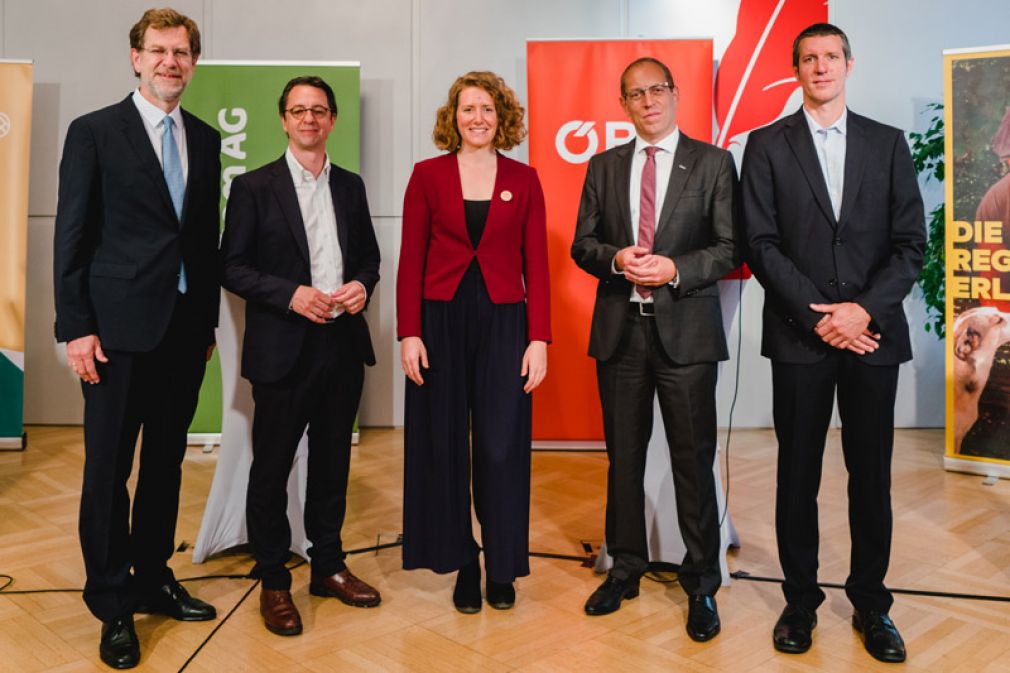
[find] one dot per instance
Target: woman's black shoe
(466, 595)
(500, 596)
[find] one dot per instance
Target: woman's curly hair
(510, 132)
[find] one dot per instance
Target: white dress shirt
(830, 145)
(316, 205)
(154, 118)
(664, 166)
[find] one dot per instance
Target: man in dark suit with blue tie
(656, 226)
(137, 294)
(299, 247)
(834, 227)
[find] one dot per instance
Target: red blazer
(435, 250)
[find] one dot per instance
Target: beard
(167, 90)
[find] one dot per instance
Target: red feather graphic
(755, 77)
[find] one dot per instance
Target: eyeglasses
(318, 112)
(160, 53)
(655, 90)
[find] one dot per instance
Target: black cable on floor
(736, 392)
(215, 577)
(656, 568)
(561, 557)
(218, 626)
(10, 582)
(378, 547)
(198, 578)
(744, 575)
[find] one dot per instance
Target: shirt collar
(840, 125)
(300, 174)
(667, 144)
(153, 114)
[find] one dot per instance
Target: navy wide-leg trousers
(472, 394)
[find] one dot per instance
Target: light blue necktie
(833, 163)
(172, 166)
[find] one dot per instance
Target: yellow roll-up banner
(15, 143)
(977, 157)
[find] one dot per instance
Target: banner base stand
(14, 443)
(208, 440)
(569, 445)
(977, 467)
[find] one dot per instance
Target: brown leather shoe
(347, 588)
(280, 615)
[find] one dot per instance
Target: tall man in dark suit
(299, 247)
(656, 226)
(137, 293)
(834, 225)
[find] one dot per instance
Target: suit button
(844, 283)
(832, 282)
(836, 241)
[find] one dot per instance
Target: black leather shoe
(702, 618)
(466, 595)
(793, 632)
(501, 596)
(174, 601)
(608, 596)
(119, 647)
(880, 636)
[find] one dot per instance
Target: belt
(643, 309)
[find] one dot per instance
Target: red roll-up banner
(575, 112)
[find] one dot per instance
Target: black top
(476, 218)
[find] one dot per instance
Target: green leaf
(928, 158)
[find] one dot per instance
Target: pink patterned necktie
(647, 210)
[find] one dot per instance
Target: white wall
(410, 51)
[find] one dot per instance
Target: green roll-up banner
(239, 99)
(15, 142)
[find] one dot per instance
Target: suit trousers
(158, 391)
(472, 391)
(322, 391)
(803, 396)
(628, 383)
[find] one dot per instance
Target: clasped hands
(318, 306)
(414, 357)
(846, 326)
(641, 267)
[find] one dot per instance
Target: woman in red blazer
(473, 319)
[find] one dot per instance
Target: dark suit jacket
(696, 228)
(801, 255)
(265, 254)
(118, 242)
(436, 248)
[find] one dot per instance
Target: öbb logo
(615, 133)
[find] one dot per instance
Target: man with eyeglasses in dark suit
(299, 247)
(656, 226)
(137, 295)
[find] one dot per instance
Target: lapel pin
(682, 167)
(506, 195)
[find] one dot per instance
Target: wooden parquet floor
(952, 533)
